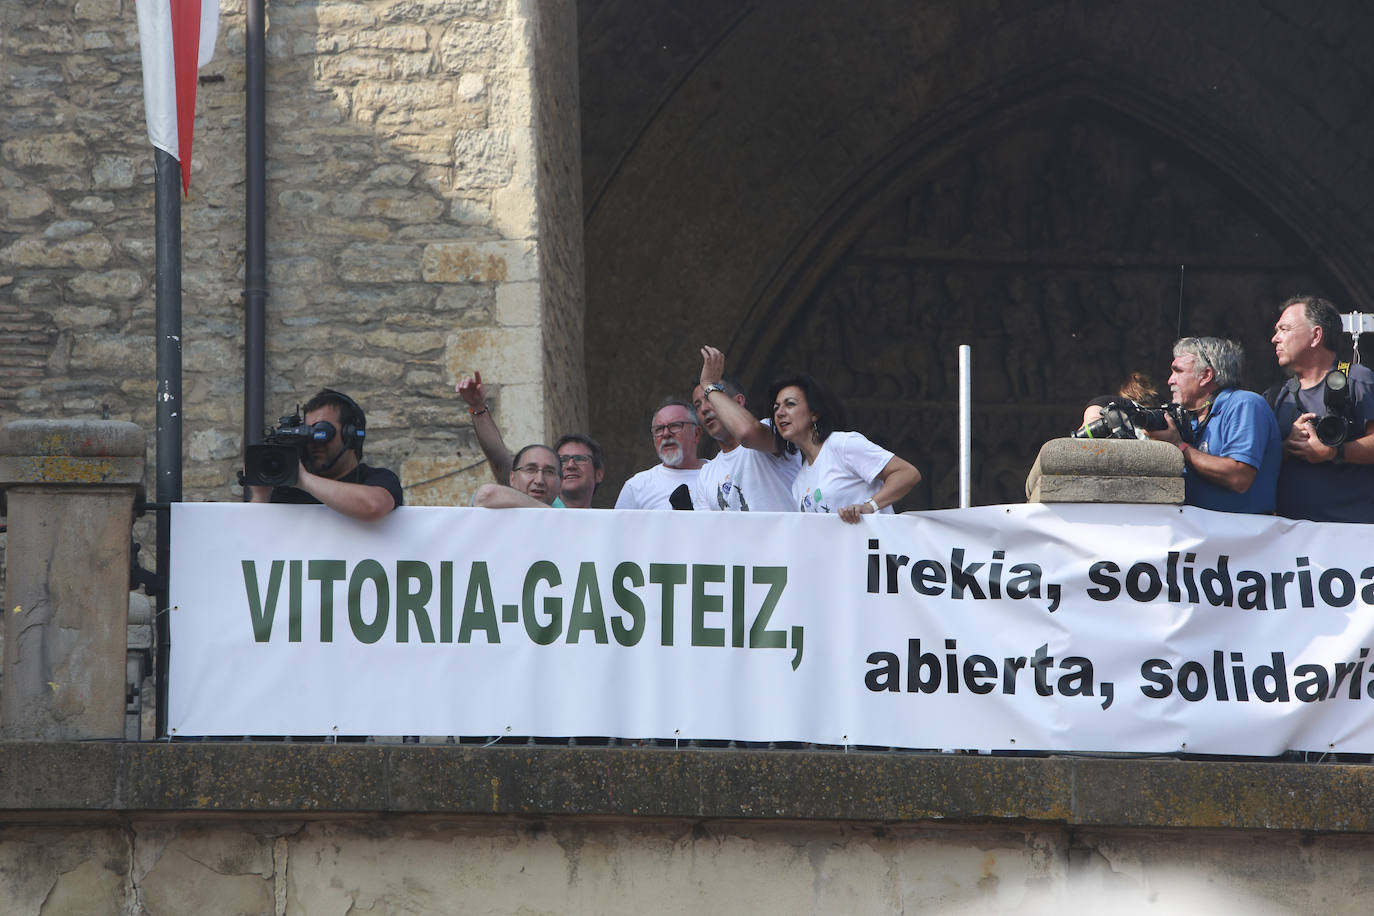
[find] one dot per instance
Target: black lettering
(886, 676)
(1152, 670)
(1107, 587)
(928, 577)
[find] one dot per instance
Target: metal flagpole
(167, 285)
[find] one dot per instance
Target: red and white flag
(177, 38)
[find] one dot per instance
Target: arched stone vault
(750, 150)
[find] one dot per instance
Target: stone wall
(407, 152)
(493, 865)
(303, 829)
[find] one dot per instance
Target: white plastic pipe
(965, 423)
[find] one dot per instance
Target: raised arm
(730, 410)
(474, 394)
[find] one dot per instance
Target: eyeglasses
(673, 428)
(574, 459)
(543, 470)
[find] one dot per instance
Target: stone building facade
(424, 219)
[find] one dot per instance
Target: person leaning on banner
(331, 471)
(1232, 464)
(535, 483)
(1325, 412)
(841, 472)
(579, 456)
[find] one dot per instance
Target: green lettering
(445, 601)
(669, 575)
(703, 604)
(583, 617)
(760, 637)
(479, 608)
(629, 602)
(542, 634)
(262, 619)
(737, 607)
(327, 572)
(293, 628)
(368, 571)
(411, 602)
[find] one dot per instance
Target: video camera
(275, 462)
(1127, 419)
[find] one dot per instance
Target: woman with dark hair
(841, 472)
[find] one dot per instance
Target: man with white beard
(675, 434)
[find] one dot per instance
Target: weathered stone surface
(1152, 490)
(444, 481)
(1106, 470)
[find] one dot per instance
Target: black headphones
(353, 426)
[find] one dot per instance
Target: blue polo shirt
(1241, 426)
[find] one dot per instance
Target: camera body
(1126, 419)
(275, 462)
(1333, 429)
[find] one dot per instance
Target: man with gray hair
(1232, 464)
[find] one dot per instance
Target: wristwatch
(714, 386)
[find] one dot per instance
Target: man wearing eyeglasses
(579, 456)
(672, 483)
(1232, 463)
(535, 482)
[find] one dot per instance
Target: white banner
(1036, 627)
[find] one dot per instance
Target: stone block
(446, 481)
(512, 355)
(479, 262)
(70, 488)
(1155, 490)
(1108, 471)
(483, 158)
(518, 305)
(71, 452)
(380, 263)
(24, 203)
(112, 284)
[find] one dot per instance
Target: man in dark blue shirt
(1330, 483)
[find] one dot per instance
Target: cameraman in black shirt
(331, 471)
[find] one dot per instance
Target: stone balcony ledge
(113, 782)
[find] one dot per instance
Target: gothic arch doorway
(1068, 245)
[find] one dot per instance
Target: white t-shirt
(748, 480)
(845, 473)
(650, 489)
